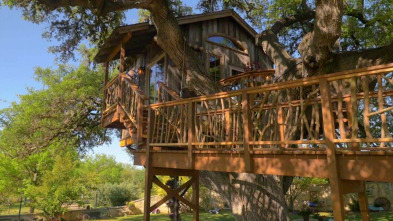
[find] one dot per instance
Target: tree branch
(290, 20)
(359, 59)
(276, 52)
(100, 7)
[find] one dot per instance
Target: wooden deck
(333, 126)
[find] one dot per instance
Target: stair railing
(132, 101)
(165, 93)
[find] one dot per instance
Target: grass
(14, 210)
(226, 216)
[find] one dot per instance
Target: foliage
(118, 194)
(45, 134)
(60, 186)
(354, 205)
(301, 184)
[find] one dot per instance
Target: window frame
(243, 49)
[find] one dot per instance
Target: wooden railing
(305, 114)
(247, 80)
(111, 94)
(165, 93)
(122, 93)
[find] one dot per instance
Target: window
(157, 73)
(214, 68)
(225, 42)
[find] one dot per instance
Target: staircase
(125, 109)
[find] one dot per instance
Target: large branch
(98, 6)
(290, 20)
(316, 47)
(282, 60)
(359, 59)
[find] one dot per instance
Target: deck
(335, 126)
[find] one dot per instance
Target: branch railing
(165, 93)
(247, 80)
(123, 93)
(284, 116)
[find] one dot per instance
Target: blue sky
(21, 49)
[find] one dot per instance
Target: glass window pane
(214, 68)
(157, 73)
(224, 41)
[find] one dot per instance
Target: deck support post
(175, 192)
(328, 126)
(195, 196)
(148, 169)
(363, 203)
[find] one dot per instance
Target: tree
(63, 116)
(299, 185)
(310, 30)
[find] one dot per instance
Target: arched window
(225, 42)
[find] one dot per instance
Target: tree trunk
(251, 196)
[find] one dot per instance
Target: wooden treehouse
(333, 126)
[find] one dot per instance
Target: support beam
(148, 169)
(363, 204)
(328, 126)
(117, 48)
(195, 196)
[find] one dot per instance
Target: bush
(118, 194)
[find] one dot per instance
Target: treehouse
(332, 126)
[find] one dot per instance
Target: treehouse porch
(252, 129)
(335, 126)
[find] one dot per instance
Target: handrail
(285, 85)
(171, 92)
(111, 82)
(136, 89)
(257, 73)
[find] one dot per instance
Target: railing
(166, 94)
(131, 99)
(122, 93)
(247, 80)
(305, 114)
(111, 94)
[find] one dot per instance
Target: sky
(22, 48)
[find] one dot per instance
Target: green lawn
(226, 216)
(380, 216)
(14, 210)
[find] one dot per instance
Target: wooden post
(363, 203)
(195, 196)
(139, 118)
(280, 122)
(247, 130)
(105, 91)
(191, 132)
(148, 169)
(328, 126)
(122, 57)
(354, 112)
